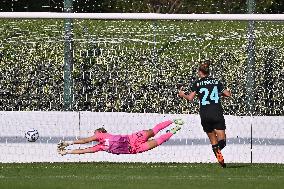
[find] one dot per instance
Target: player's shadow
(237, 166)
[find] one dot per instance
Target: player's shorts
(137, 142)
(210, 125)
(212, 118)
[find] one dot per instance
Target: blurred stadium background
(137, 66)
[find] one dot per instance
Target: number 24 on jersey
(213, 95)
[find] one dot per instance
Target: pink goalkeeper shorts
(138, 142)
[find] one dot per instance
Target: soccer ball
(32, 135)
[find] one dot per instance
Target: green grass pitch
(140, 176)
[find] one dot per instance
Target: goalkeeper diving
(123, 144)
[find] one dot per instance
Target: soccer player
(123, 144)
(209, 91)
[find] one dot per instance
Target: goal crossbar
(140, 16)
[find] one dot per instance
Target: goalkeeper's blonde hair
(101, 130)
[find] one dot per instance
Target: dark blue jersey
(209, 92)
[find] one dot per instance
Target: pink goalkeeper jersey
(115, 144)
(121, 144)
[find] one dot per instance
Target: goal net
(125, 75)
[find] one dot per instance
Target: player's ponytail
(204, 68)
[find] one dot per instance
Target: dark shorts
(210, 125)
(212, 118)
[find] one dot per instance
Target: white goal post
(141, 16)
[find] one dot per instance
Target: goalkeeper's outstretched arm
(62, 151)
(80, 151)
(85, 140)
(63, 144)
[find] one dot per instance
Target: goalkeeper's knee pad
(222, 144)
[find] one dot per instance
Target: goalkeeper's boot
(174, 130)
(178, 121)
(219, 157)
